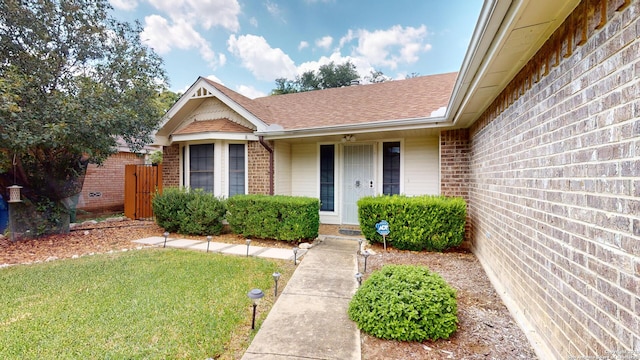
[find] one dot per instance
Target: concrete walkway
(309, 319)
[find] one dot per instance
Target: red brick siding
(555, 186)
(454, 163)
(258, 166)
(171, 166)
(454, 167)
(107, 181)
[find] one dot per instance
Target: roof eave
(387, 125)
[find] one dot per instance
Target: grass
(151, 304)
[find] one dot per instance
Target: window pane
(327, 177)
(201, 167)
(391, 168)
(236, 169)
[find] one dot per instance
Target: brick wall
(258, 166)
(103, 188)
(454, 167)
(171, 166)
(555, 186)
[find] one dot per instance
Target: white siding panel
(304, 170)
(421, 166)
(282, 164)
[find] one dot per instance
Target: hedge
(186, 211)
(288, 218)
(416, 223)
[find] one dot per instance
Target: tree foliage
(328, 76)
(73, 80)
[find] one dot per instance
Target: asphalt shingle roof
(358, 104)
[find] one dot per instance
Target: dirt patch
(486, 329)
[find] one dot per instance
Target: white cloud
(215, 78)
(253, 21)
(363, 67)
(163, 37)
(303, 45)
(264, 62)
(324, 42)
(273, 8)
(205, 13)
(126, 5)
(389, 47)
(250, 91)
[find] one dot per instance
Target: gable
(213, 109)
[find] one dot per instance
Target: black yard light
(255, 295)
(166, 235)
(359, 278)
(295, 255)
(366, 255)
(248, 242)
(276, 277)
(208, 241)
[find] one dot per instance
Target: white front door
(358, 180)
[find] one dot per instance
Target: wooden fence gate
(140, 184)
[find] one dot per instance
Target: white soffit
(519, 39)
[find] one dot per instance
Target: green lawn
(152, 304)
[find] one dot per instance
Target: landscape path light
(276, 277)
(359, 278)
(255, 295)
(208, 241)
(295, 255)
(248, 242)
(166, 235)
(360, 241)
(366, 255)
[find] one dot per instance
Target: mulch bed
(486, 329)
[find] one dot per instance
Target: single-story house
(539, 131)
(336, 145)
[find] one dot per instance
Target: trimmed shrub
(417, 223)
(188, 212)
(288, 218)
(406, 303)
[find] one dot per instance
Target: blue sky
(247, 44)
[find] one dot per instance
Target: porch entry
(358, 179)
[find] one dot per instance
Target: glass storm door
(358, 179)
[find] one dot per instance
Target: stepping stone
(213, 246)
(242, 250)
(182, 243)
(154, 240)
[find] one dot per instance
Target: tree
(72, 81)
(376, 76)
(328, 76)
(284, 86)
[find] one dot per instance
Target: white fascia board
(214, 136)
(389, 125)
(162, 140)
(491, 32)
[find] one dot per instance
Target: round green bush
(186, 211)
(406, 303)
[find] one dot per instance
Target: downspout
(271, 170)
